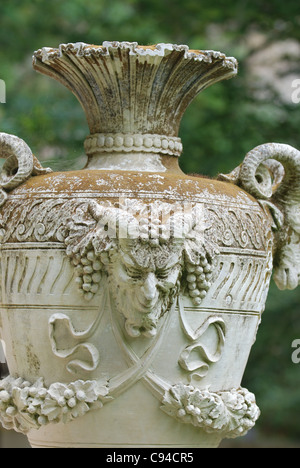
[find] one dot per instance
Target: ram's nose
(149, 289)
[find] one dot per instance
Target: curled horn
(20, 164)
(282, 188)
(256, 180)
(19, 161)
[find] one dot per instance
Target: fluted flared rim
(125, 88)
(81, 49)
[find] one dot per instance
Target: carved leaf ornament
(25, 405)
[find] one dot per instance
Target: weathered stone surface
(131, 292)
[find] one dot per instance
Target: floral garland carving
(232, 412)
(25, 406)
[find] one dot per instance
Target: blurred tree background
(218, 129)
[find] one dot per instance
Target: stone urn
(131, 293)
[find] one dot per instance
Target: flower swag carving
(25, 406)
(232, 412)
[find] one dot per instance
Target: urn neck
(133, 151)
(133, 96)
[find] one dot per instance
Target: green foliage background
(218, 129)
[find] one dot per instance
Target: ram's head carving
(142, 249)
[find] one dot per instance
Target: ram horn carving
(20, 164)
(271, 173)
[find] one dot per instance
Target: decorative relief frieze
(45, 220)
(31, 271)
(148, 251)
(238, 228)
(36, 220)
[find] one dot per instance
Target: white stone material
(131, 293)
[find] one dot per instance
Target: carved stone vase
(131, 292)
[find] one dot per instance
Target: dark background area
(219, 128)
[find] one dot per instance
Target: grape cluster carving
(198, 278)
(88, 272)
